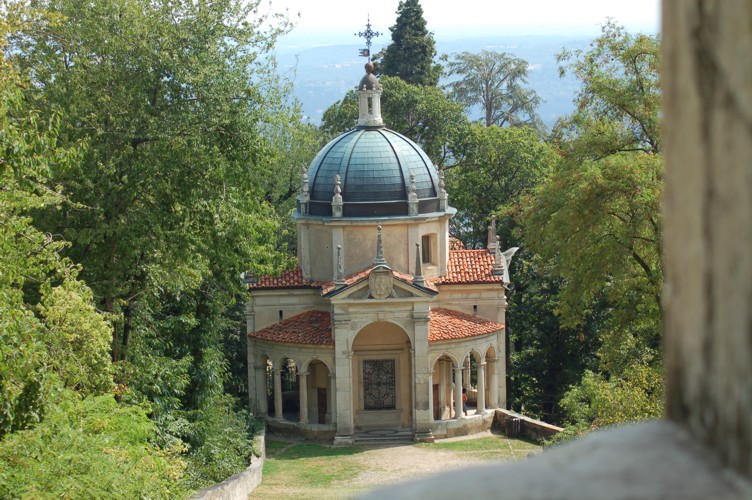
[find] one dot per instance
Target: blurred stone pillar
(707, 83)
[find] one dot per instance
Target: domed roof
(374, 166)
(369, 81)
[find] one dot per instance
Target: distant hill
(322, 75)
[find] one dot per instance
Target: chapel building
(384, 321)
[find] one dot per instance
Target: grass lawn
(305, 470)
(316, 471)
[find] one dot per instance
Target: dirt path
(389, 465)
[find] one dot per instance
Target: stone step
(383, 436)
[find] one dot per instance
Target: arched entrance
(382, 377)
(316, 398)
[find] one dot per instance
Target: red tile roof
(315, 328)
(310, 328)
(286, 279)
(464, 267)
(295, 279)
(445, 324)
(468, 267)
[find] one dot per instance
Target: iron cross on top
(368, 34)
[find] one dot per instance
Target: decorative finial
(305, 196)
(379, 260)
(412, 197)
(443, 203)
(492, 237)
(337, 198)
(498, 268)
(339, 277)
(368, 34)
(418, 277)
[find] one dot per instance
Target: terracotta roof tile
(445, 324)
(468, 267)
(287, 279)
(309, 328)
(315, 328)
(294, 279)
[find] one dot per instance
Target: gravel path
(394, 464)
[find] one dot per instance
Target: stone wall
(240, 485)
(528, 427)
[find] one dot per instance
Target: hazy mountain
(322, 74)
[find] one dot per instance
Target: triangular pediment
(380, 284)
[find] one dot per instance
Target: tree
(424, 114)
(165, 204)
(410, 55)
(497, 82)
(90, 448)
(597, 219)
(52, 337)
(494, 168)
(162, 94)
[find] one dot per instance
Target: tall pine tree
(411, 53)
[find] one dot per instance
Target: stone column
(250, 326)
(344, 390)
(332, 395)
(494, 383)
(431, 402)
(278, 394)
(466, 376)
(303, 389)
(458, 413)
(423, 375)
(481, 404)
(441, 365)
(501, 369)
(260, 389)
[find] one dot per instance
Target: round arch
(382, 376)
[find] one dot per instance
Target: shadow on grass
(294, 451)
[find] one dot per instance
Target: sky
(336, 21)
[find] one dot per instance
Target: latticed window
(379, 384)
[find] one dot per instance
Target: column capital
(302, 374)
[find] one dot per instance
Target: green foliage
(77, 339)
(424, 114)
(167, 105)
(618, 106)
(343, 116)
(50, 327)
(600, 222)
(410, 55)
(546, 358)
(597, 221)
(90, 448)
(637, 394)
(495, 167)
(163, 94)
(221, 442)
(497, 82)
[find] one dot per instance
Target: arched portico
(382, 377)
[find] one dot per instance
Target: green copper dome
(374, 165)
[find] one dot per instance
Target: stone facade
(380, 326)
